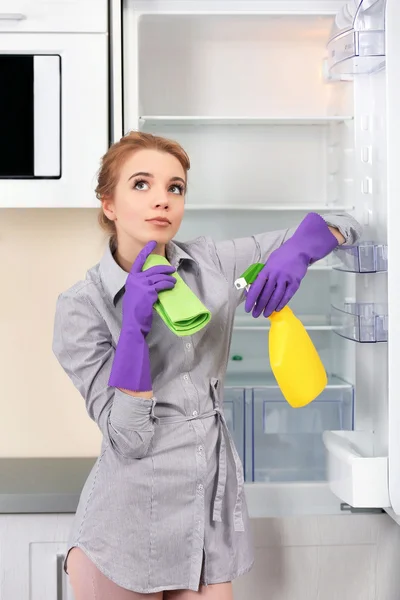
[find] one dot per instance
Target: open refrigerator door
(392, 220)
(358, 460)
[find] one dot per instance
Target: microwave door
(30, 116)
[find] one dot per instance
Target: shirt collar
(114, 277)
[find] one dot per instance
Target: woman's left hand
(282, 274)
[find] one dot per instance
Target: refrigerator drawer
(287, 442)
(356, 474)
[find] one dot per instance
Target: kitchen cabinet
(32, 550)
(24, 16)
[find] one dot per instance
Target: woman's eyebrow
(145, 174)
(141, 173)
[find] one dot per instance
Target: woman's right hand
(141, 291)
(131, 370)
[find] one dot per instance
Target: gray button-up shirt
(163, 507)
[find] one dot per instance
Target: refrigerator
(287, 107)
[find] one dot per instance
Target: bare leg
(217, 591)
(88, 583)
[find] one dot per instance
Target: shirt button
(186, 378)
(195, 413)
(188, 346)
(200, 488)
(200, 449)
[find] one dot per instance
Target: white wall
(42, 253)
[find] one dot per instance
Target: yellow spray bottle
(294, 360)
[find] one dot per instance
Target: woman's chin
(160, 238)
(163, 237)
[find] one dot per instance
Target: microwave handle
(12, 17)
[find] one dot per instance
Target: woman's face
(148, 201)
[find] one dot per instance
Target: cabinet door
(53, 16)
(32, 549)
(48, 581)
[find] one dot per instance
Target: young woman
(162, 514)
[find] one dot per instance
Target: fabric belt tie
(225, 439)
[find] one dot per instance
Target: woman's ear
(109, 208)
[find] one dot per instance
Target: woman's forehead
(153, 162)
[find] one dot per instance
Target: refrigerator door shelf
(357, 43)
(365, 257)
(355, 473)
(361, 322)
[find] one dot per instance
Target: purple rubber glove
(280, 279)
(131, 366)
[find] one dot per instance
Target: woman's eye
(141, 185)
(176, 189)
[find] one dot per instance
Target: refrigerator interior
(271, 136)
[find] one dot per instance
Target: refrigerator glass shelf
(170, 120)
(240, 378)
(268, 207)
(310, 322)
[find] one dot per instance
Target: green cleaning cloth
(179, 308)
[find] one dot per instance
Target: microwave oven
(54, 104)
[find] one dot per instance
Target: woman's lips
(159, 222)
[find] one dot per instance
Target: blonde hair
(116, 156)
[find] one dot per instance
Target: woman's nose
(161, 200)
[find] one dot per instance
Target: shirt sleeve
(234, 256)
(83, 346)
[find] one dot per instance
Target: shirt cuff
(132, 412)
(350, 229)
